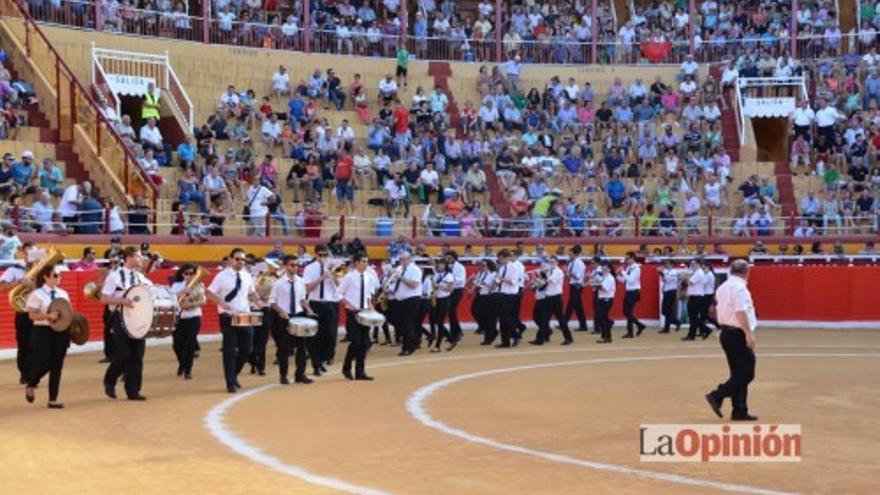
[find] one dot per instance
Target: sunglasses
(292, 265)
(55, 275)
(187, 274)
(237, 258)
(321, 255)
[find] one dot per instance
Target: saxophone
(195, 289)
(19, 294)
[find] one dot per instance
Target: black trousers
(438, 316)
(261, 339)
(394, 319)
(23, 333)
(237, 345)
(454, 301)
(630, 298)
(694, 309)
(424, 310)
(669, 307)
(184, 341)
(541, 319)
(322, 347)
(708, 300)
(490, 310)
(108, 332)
(597, 325)
(128, 358)
(603, 309)
(407, 311)
(357, 346)
(518, 324)
(286, 345)
(476, 310)
(741, 361)
(553, 309)
(507, 315)
(576, 305)
(47, 353)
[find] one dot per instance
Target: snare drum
(247, 319)
(154, 313)
(370, 318)
(299, 326)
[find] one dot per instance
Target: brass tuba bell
(19, 294)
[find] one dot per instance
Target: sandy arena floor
(546, 420)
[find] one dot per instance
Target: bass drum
(154, 313)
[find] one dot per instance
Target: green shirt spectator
(542, 206)
(51, 177)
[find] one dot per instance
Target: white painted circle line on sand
(415, 405)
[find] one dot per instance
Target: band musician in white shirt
(355, 290)
(631, 276)
(289, 299)
(553, 303)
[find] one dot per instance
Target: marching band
(301, 312)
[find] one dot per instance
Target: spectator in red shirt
(344, 185)
(454, 206)
(401, 118)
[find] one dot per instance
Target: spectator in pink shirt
(268, 172)
(87, 263)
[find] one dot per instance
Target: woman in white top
(425, 303)
(48, 347)
(443, 285)
(188, 324)
(487, 304)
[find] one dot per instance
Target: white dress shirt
(670, 279)
(120, 280)
(176, 288)
(280, 294)
(632, 277)
(695, 283)
(485, 282)
(224, 283)
(444, 282)
(733, 295)
(554, 282)
(403, 291)
(39, 300)
(520, 272)
(13, 274)
(508, 276)
(827, 116)
(427, 287)
(354, 285)
(708, 283)
(256, 199)
(313, 272)
(69, 201)
(459, 274)
(803, 117)
(576, 272)
(607, 287)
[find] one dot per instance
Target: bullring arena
(173, 174)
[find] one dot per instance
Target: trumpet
(393, 278)
(92, 290)
(338, 267)
(265, 280)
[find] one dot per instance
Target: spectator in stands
(186, 152)
(150, 104)
(396, 195)
(271, 131)
(387, 89)
(91, 215)
(257, 199)
(24, 173)
(88, 262)
(151, 167)
(800, 153)
(41, 213)
(281, 82)
(761, 221)
(151, 139)
(114, 221)
(51, 178)
(189, 189)
(7, 182)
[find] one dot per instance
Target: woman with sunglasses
(48, 347)
(189, 321)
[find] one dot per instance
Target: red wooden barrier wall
(781, 292)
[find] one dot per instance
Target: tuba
(19, 294)
(195, 289)
(266, 279)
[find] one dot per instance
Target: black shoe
(404, 353)
(29, 395)
(478, 331)
(196, 355)
(55, 405)
(344, 340)
(365, 378)
(303, 379)
(253, 370)
(663, 331)
(317, 372)
(582, 330)
(677, 327)
(452, 345)
(137, 397)
(603, 341)
(689, 337)
(180, 371)
(231, 389)
(640, 330)
(104, 360)
(567, 342)
(261, 372)
(516, 341)
(743, 417)
(284, 381)
(502, 346)
(347, 374)
(595, 332)
(187, 376)
(22, 381)
(706, 335)
(627, 336)
(536, 342)
(110, 390)
(715, 404)
(329, 362)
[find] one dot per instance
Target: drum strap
(229, 297)
(363, 289)
(292, 297)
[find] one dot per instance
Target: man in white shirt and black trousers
(355, 289)
(631, 276)
(669, 304)
(232, 289)
(460, 276)
(606, 286)
(520, 277)
(325, 304)
(553, 303)
(128, 353)
(695, 300)
(408, 292)
(508, 278)
(576, 272)
(736, 314)
(288, 299)
(13, 276)
(597, 274)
